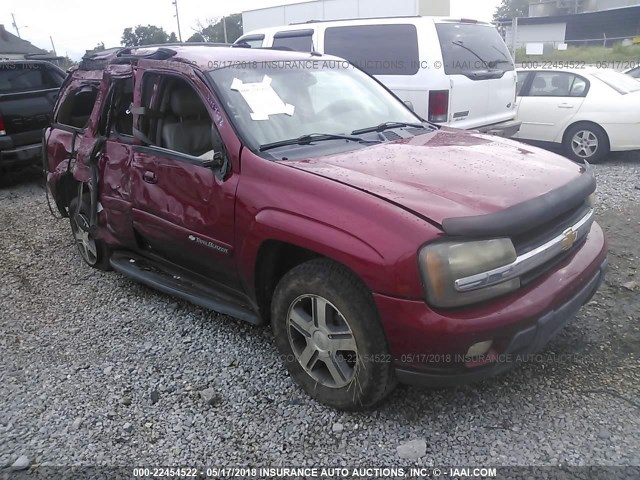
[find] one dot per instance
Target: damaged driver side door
(182, 184)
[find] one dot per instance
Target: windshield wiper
(313, 137)
(491, 64)
(494, 63)
(386, 126)
(462, 45)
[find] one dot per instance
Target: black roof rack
(161, 53)
(98, 60)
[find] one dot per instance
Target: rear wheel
(327, 329)
(586, 141)
(94, 252)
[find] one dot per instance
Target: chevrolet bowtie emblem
(570, 237)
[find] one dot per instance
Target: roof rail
(181, 44)
(353, 19)
(94, 55)
(161, 53)
(98, 60)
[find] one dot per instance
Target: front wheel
(94, 252)
(586, 142)
(328, 332)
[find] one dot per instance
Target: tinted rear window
(20, 77)
(299, 42)
(468, 48)
(376, 49)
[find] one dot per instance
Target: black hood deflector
(527, 215)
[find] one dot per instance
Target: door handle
(149, 177)
(565, 105)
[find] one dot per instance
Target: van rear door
(481, 73)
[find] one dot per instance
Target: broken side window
(77, 106)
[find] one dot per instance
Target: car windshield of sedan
(623, 84)
(271, 102)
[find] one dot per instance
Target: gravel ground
(96, 369)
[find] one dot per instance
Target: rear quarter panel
(618, 115)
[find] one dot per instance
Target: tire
(348, 366)
(94, 252)
(586, 141)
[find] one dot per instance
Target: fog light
(479, 349)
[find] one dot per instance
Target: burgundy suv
(293, 189)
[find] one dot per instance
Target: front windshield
(275, 101)
(621, 83)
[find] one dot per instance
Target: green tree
(196, 37)
(142, 35)
(512, 9)
(214, 31)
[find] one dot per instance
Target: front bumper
(21, 156)
(429, 347)
(505, 129)
(524, 343)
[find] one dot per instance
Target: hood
(448, 173)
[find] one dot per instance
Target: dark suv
(28, 91)
(293, 189)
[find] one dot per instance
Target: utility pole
(53, 46)
(514, 34)
(175, 2)
(224, 28)
(15, 25)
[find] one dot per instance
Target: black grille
(534, 238)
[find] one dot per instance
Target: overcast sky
(78, 25)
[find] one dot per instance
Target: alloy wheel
(86, 244)
(322, 341)
(585, 144)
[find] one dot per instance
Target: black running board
(180, 283)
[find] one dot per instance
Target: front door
(183, 204)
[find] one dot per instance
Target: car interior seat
(188, 127)
(539, 84)
(560, 85)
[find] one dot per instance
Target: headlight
(442, 264)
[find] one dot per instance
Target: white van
(452, 72)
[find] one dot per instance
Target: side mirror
(409, 105)
(213, 159)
